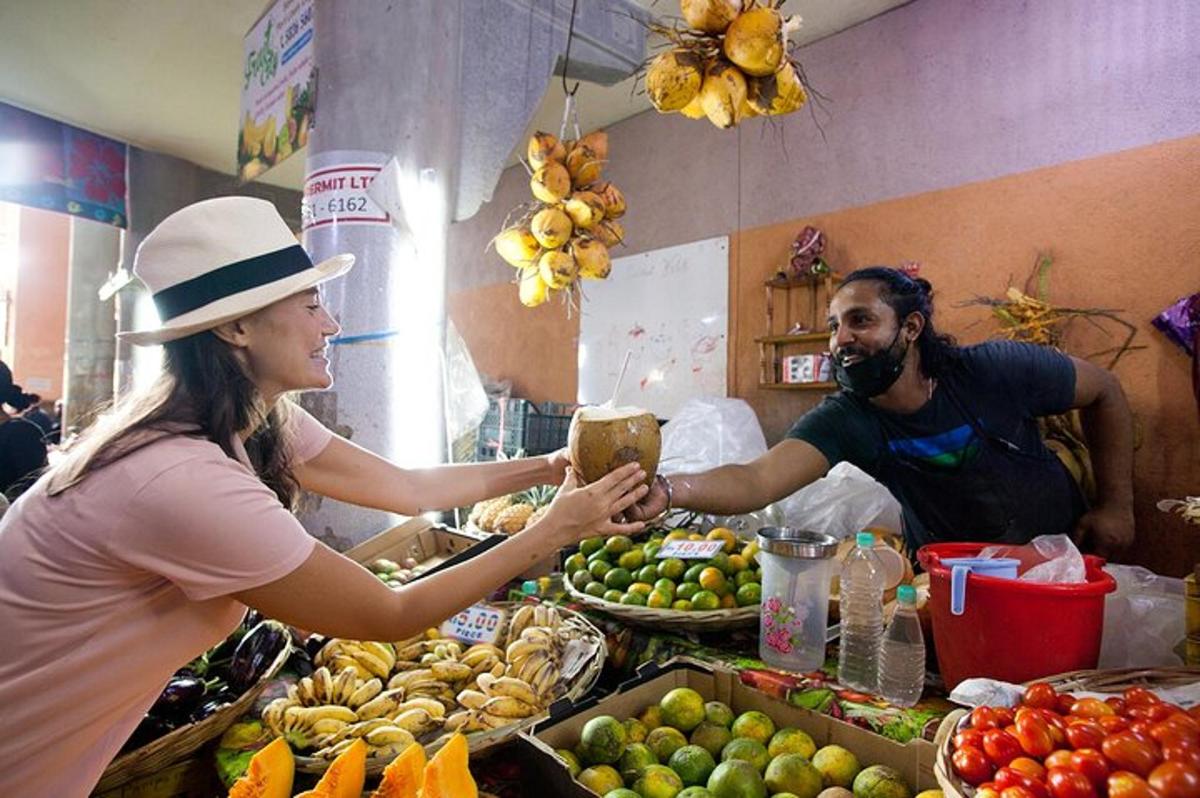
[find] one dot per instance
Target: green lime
(637, 757)
(641, 587)
(746, 578)
(570, 760)
(720, 561)
(749, 594)
(612, 595)
(648, 574)
(603, 740)
(839, 766)
(659, 599)
(695, 792)
(681, 604)
(677, 534)
(755, 725)
(621, 792)
(794, 741)
(682, 708)
(719, 713)
(618, 579)
(665, 740)
(748, 750)
(618, 544)
(795, 774)
(712, 737)
(687, 590)
(599, 568)
(634, 599)
(636, 730)
(880, 781)
(693, 763)
(595, 589)
(599, 556)
(658, 781)
(706, 600)
(692, 574)
(665, 585)
(671, 568)
(651, 717)
(737, 779)
(580, 579)
(632, 560)
(651, 550)
(575, 562)
(601, 779)
(589, 546)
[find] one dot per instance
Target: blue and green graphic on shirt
(944, 450)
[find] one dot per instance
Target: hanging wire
(567, 57)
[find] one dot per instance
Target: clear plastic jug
(797, 567)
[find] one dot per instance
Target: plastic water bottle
(902, 653)
(860, 601)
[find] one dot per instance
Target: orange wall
(40, 300)
(1124, 231)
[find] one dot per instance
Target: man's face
(860, 322)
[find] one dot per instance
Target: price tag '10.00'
(690, 549)
(475, 624)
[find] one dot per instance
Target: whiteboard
(670, 308)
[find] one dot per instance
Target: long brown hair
(204, 392)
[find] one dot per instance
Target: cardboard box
(433, 546)
(914, 760)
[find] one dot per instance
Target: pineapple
(512, 519)
(537, 515)
(491, 511)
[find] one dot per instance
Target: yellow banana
(403, 680)
(490, 721)
(374, 665)
(539, 634)
(458, 721)
(382, 650)
(387, 735)
(471, 699)
(323, 684)
(487, 664)
(415, 721)
(344, 685)
(332, 751)
(344, 662)
(521, 618)
(431, 705)
(515, 688)
(272, 714)
(451, 671)
(480, 651)
(508, 707)
(383, 704)
(328, 726)
(427, 687)
(364, 693)
(544, 680)
(365, 727)
(335, 711)
(305, 689)
(522, 648)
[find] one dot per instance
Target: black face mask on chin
(873, 374)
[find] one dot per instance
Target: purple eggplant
(255, 653)
(178, 698)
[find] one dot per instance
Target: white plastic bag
(841, 503)
(1050, 559)
(466, 401)
(1143, 619)
(708, 432)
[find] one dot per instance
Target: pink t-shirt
(111, 586)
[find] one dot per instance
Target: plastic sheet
(466, 400)
(842, 503)
(708, 432)
(1049, 559)
(1143, 619)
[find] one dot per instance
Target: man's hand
(1106, 531)
(651, 505)
(559, 462)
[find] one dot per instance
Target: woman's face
(284, 345)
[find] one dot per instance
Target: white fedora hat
(219, 260)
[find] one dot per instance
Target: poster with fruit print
(278, 88)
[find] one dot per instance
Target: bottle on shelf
(860, 603)
(902, 652)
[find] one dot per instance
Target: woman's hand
(579, 512)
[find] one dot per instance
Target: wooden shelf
(798, 386)
(801, 338)
(780, 281)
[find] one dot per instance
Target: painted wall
(964, 135)
(40, 302)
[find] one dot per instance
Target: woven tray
(182, 742)
(580, 685)
(1091, 681)
(684, 620)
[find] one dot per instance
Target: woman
(145, 545)
(22, 452)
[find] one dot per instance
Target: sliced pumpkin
(269, 774)
(404, 776)
(447, 774)
(345, 776)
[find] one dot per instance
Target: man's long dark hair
(203, 391)
(906, 295)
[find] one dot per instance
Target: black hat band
(229, 280)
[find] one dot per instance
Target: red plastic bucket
(1012, 630)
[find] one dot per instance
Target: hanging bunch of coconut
(731, 62)
(565, 234)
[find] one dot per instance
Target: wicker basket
(683, 620)
(182, 742)
(580, 685)
(1091, 681)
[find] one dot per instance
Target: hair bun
(925, 286)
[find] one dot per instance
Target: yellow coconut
(584, 164)
(673, 79)
(557, 269)
(517, 246)
(597, 142)
(754, 41)
(610, 232)
(551, 183)
(551, 227)
(586, 209)
(694, 109)
(723, 94)
(777, 94)
(602, 439)
(543, 148)
(710, 16)
(614, 200)
(592, 258)
(533, 290)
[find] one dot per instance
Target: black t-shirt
(971, 453)
(22, 455)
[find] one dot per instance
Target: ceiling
(164, 75)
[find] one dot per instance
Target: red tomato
(1034, 736)
(1067, 783)
(1128, 752)
(1139, 696)
(1091, 708)
(1163, 711)
(1092, 764)
(1059, 759)
(1182, 752)
(1000, 747)
(1141, 729)
(983, 718)
(1123, 784)
(1112, 725)
(1065, 702)
(987, 790)
(1004, 716)
(1031, 767)
(971, 765)
(1016, 792)
(1118, 704)
(1041, 696)
(1010, 777)
(1085, 734)
(969, 738)
(1175, 780)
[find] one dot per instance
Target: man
(951, 431)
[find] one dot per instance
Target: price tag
(690, 549)
(475, 624)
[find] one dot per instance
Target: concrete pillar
(95, 253)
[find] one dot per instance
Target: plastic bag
(1051, 559)
(841, 503)
(466, 401)
(1143, 619)
(708, 432)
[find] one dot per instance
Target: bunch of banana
(367, 659)
(440, 669)
(499, 701)
(533, 658)
(527, 615)
(382, 722)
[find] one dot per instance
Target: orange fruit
(712, 579)
(723, 534)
